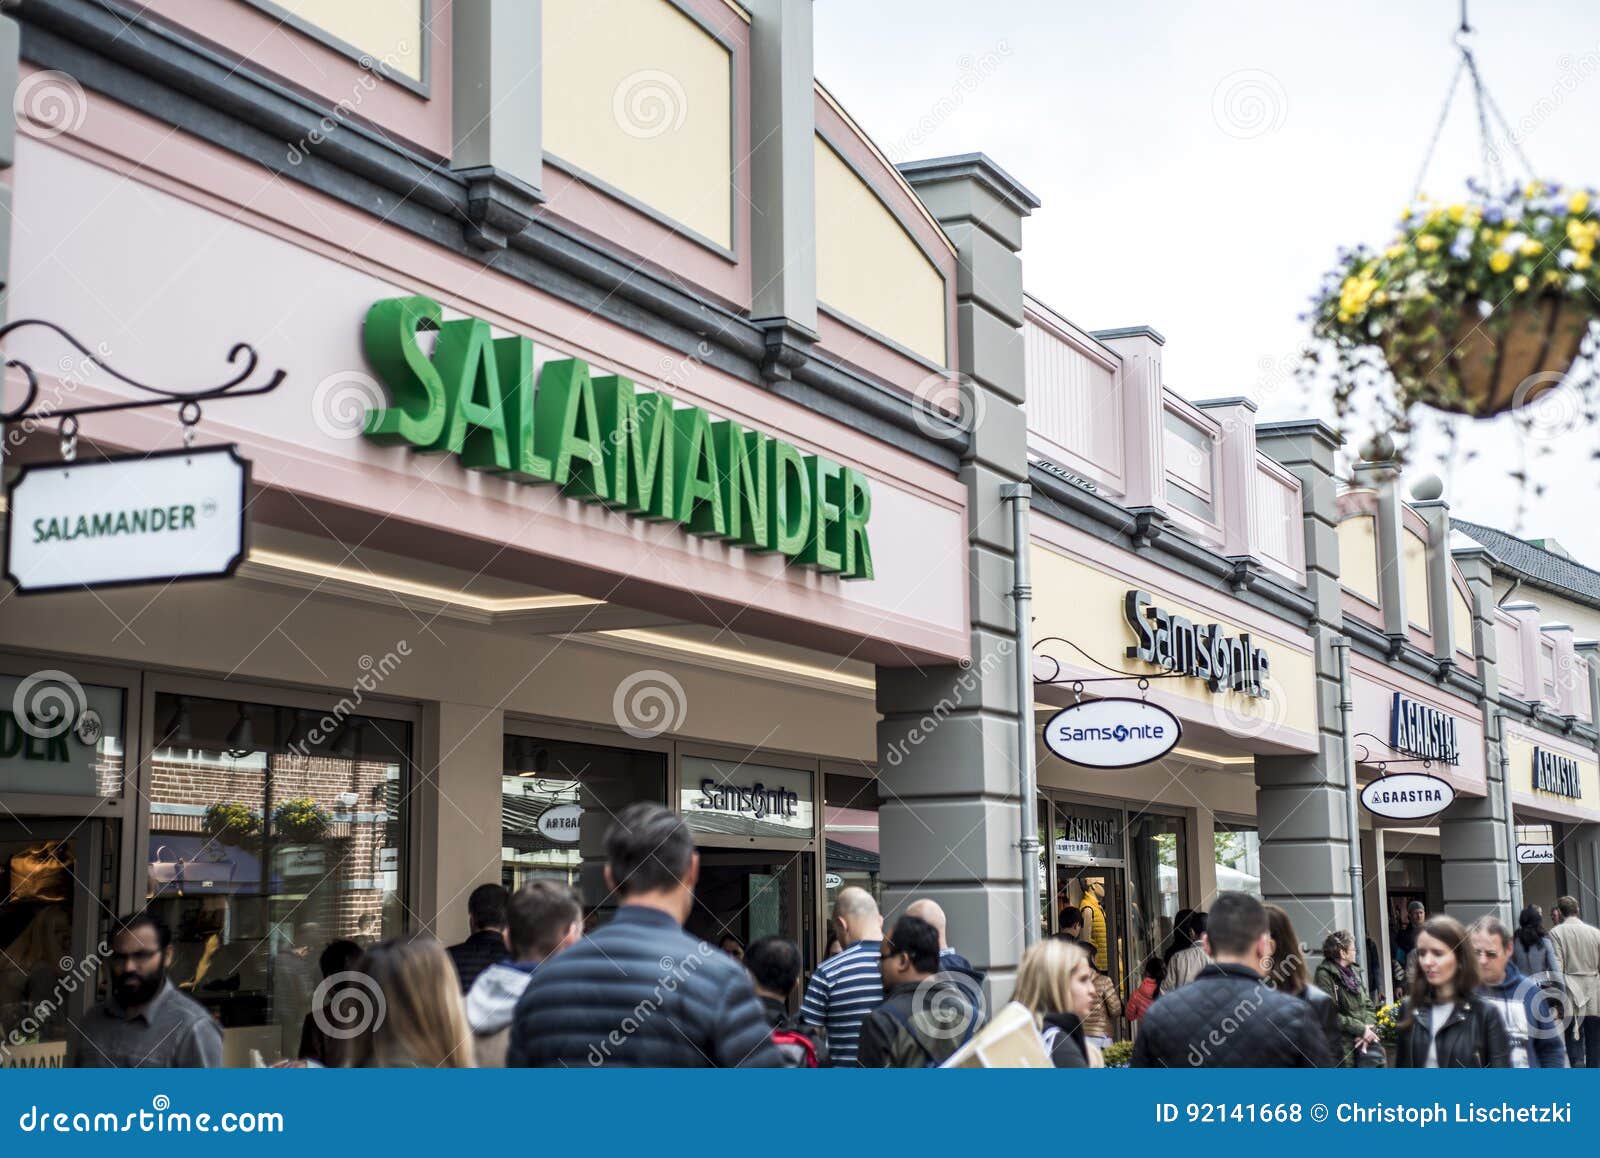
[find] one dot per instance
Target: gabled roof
(1535, 566)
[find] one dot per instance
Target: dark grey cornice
(168, 74)
(973, 166)
(1413, 661)
(1099, 516)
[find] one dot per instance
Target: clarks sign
(1226, 663)
(600, 439)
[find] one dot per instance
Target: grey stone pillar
(1474, 842)
(497, 114)
(783, 249)
(1301, 800)
(947, 745)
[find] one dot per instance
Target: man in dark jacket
(774, 966)
(639, 991)
(486, 910)
(926, 1016)
(1535, 1034)
(1227, 1016)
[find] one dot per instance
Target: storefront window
(1238, 858)
(273, 831)
(850, 824)
(1156, 858)
(557, 800)
(60, 736)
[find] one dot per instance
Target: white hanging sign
(1407, 796)
(150, 518)
(561, 823)
(1112, 733)
(1536, 854)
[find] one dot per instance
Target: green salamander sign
(601, 439)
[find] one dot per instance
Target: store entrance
(750, 895)
(51, 886)
(1100, 894)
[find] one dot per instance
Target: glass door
(55, 896)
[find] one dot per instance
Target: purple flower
(1493, 213)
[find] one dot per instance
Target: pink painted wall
(224, 252)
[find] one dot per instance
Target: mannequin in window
(1093, 907)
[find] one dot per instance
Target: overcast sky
(1199, 164)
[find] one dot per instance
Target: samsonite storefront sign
(1407, 796)
(1112, 733)
(152, 518)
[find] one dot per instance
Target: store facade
(535, 528)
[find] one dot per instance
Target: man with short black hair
(926, 1016)
(1069, 923)
(1535, 1034)
(774, 966)
(145, 1023)
(639, 991)
(543, 918)
(1227, 1016)
(486, 911)
(1577, 946)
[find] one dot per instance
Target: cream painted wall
(639, 95)
(868, 268)
(1358, 556)
(1519, 751)
(1584, 620)
(1414, 559)
(1460, 619)
(1085, 605)
(389, 31)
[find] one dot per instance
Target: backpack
(905, 1023)
(798, 1050)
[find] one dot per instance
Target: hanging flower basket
(300, 821)
(1475, 308)
(232, 824)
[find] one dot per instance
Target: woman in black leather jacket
(1287, 973)
(1443, 1024)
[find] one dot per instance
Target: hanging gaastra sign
(1536, 854)
(1112, 733)
(561, 822)
(1407, 796)
(140, 518)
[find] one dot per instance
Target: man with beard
(146, 1023)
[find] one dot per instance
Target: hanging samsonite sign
(1112, 733)
(1407, 796)
(141, 518)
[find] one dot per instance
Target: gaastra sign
(602, 440)
(1407, 796)
(1226, 663)
(1556, 774)
(1423, 730)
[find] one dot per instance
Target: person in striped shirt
(848, 986)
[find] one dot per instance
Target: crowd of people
(529, 987)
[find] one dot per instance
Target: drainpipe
(1352, 792)
(1513, 869)
(1019, 496)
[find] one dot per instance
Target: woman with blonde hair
(406, 1012)
(1056, 982)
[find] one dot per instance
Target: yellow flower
(1520, 283)
(1394, 251)
(1427, 242)
(1531, 248)
(1458, 212)
(1500, 261)
(1578, 203)
(1380, 298)
(1552, 277)
(1532, 189)
(1583, 234)
(1582, 261)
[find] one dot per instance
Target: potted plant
(1118, 1055)
(232, 824)
(1475, 307)
(1387, 1020)
(300, 821)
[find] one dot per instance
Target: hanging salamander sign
(143, 518)
(1112, 733)
(1407, 796)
